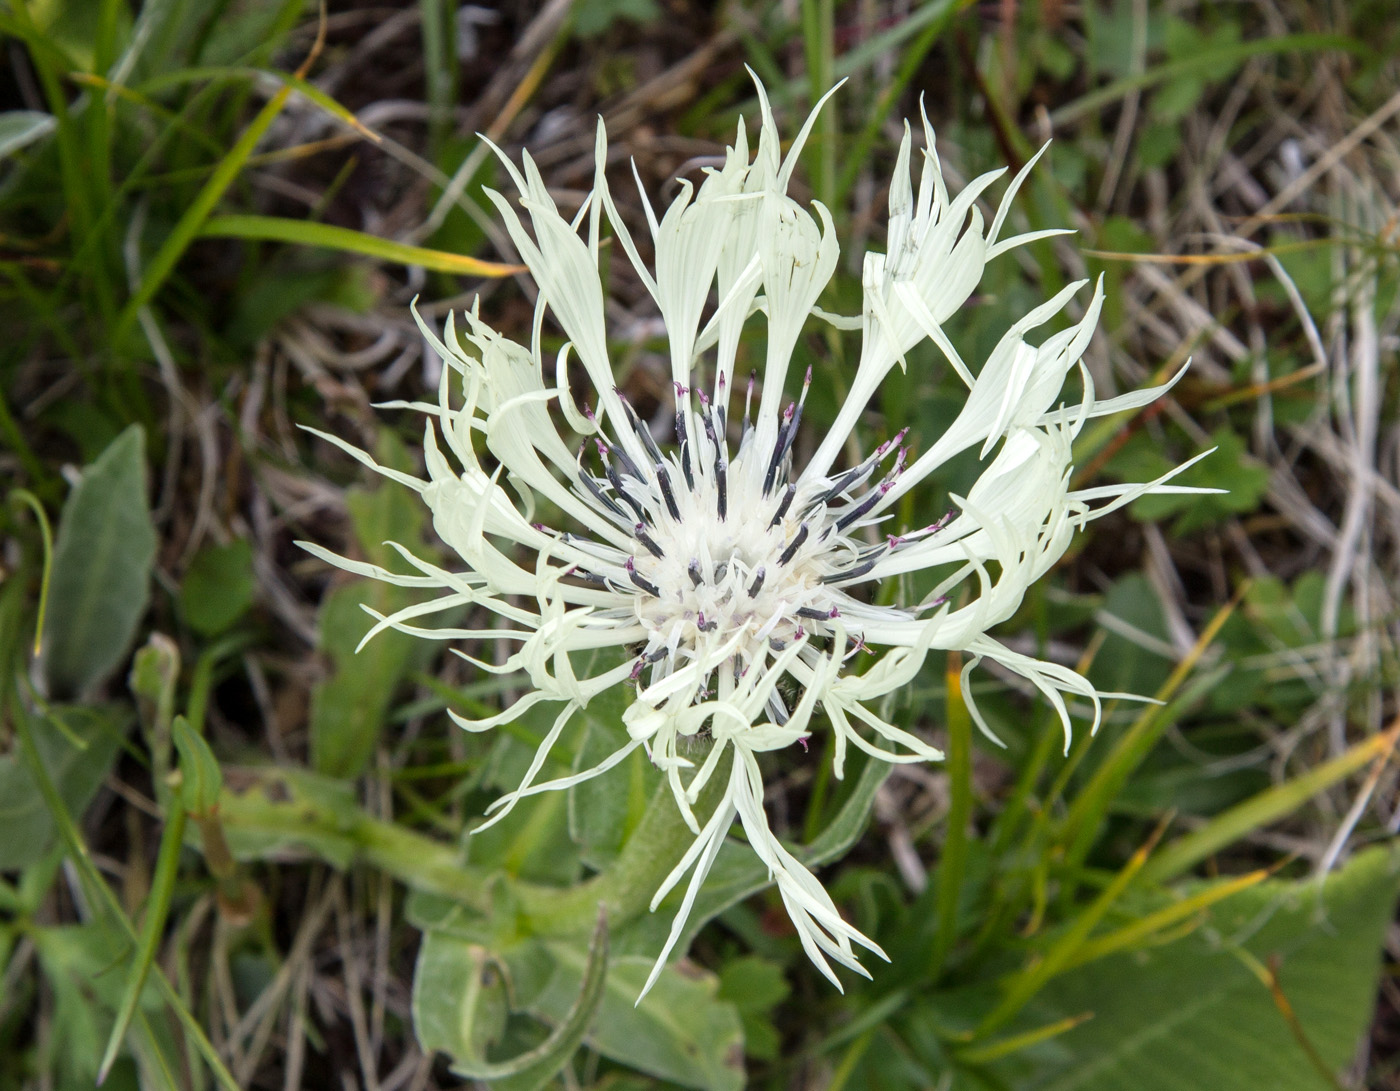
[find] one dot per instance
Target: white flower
(721, 566)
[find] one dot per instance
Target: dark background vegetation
(1231, 170)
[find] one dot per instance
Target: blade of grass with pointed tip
(157, 909)
(1218, 60)
(1260, 810)
(953, 861)
(184, 232)
(1087, 812)
(98, 888)
(326, 236)
(1029, 981)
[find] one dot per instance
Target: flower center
(731, 558)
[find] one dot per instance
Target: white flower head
(717, 566)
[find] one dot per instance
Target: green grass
(210, 221)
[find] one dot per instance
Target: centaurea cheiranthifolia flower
(712, 562)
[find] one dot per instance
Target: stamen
(783, 507)
(683, 438)
(622, 456)
(780, 448)
(640, 580)
(639, 427)
(795, 544)
(694, 569)
(721, 477)
(757, 584)
(851, 573)
(664, 480)
(871, 499)
(609, 505)
(640, 533)
(622, 493)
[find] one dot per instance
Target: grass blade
(1210, 62)
(953, 861)
(1014, 1043)
(1268, 806)
(102, 893)
(1025, 984)
(1087, 812)
(158, 908)
(184, 232)
(326, 236)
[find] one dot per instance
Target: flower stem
(278, 809)
(953, 863)
(625, 889)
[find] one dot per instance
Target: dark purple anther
(664, 480)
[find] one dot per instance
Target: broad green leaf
(457, 986)
(737, 873)
(1137, 654)
(101, 571)
(755, 986)
(605, 810)
(348, 709)
(681, 1031)
(78, 963)
(1229, 467)
(218, 587)
(77, 757)
(19, 128)
(1193, 1015)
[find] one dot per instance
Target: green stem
(953, 862)
(280, 807)
(625, 889)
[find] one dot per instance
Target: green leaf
(348, 709)
(755, 986)
(681, 1031)
(19, 128)
(456, 987)
(78, 963)
(78, 757)
(604, 811)
(218, 587)
(737, 873)
(101, 571)
(307, 233)
(201, 779)
(1193, 1015)
(1230, 467)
